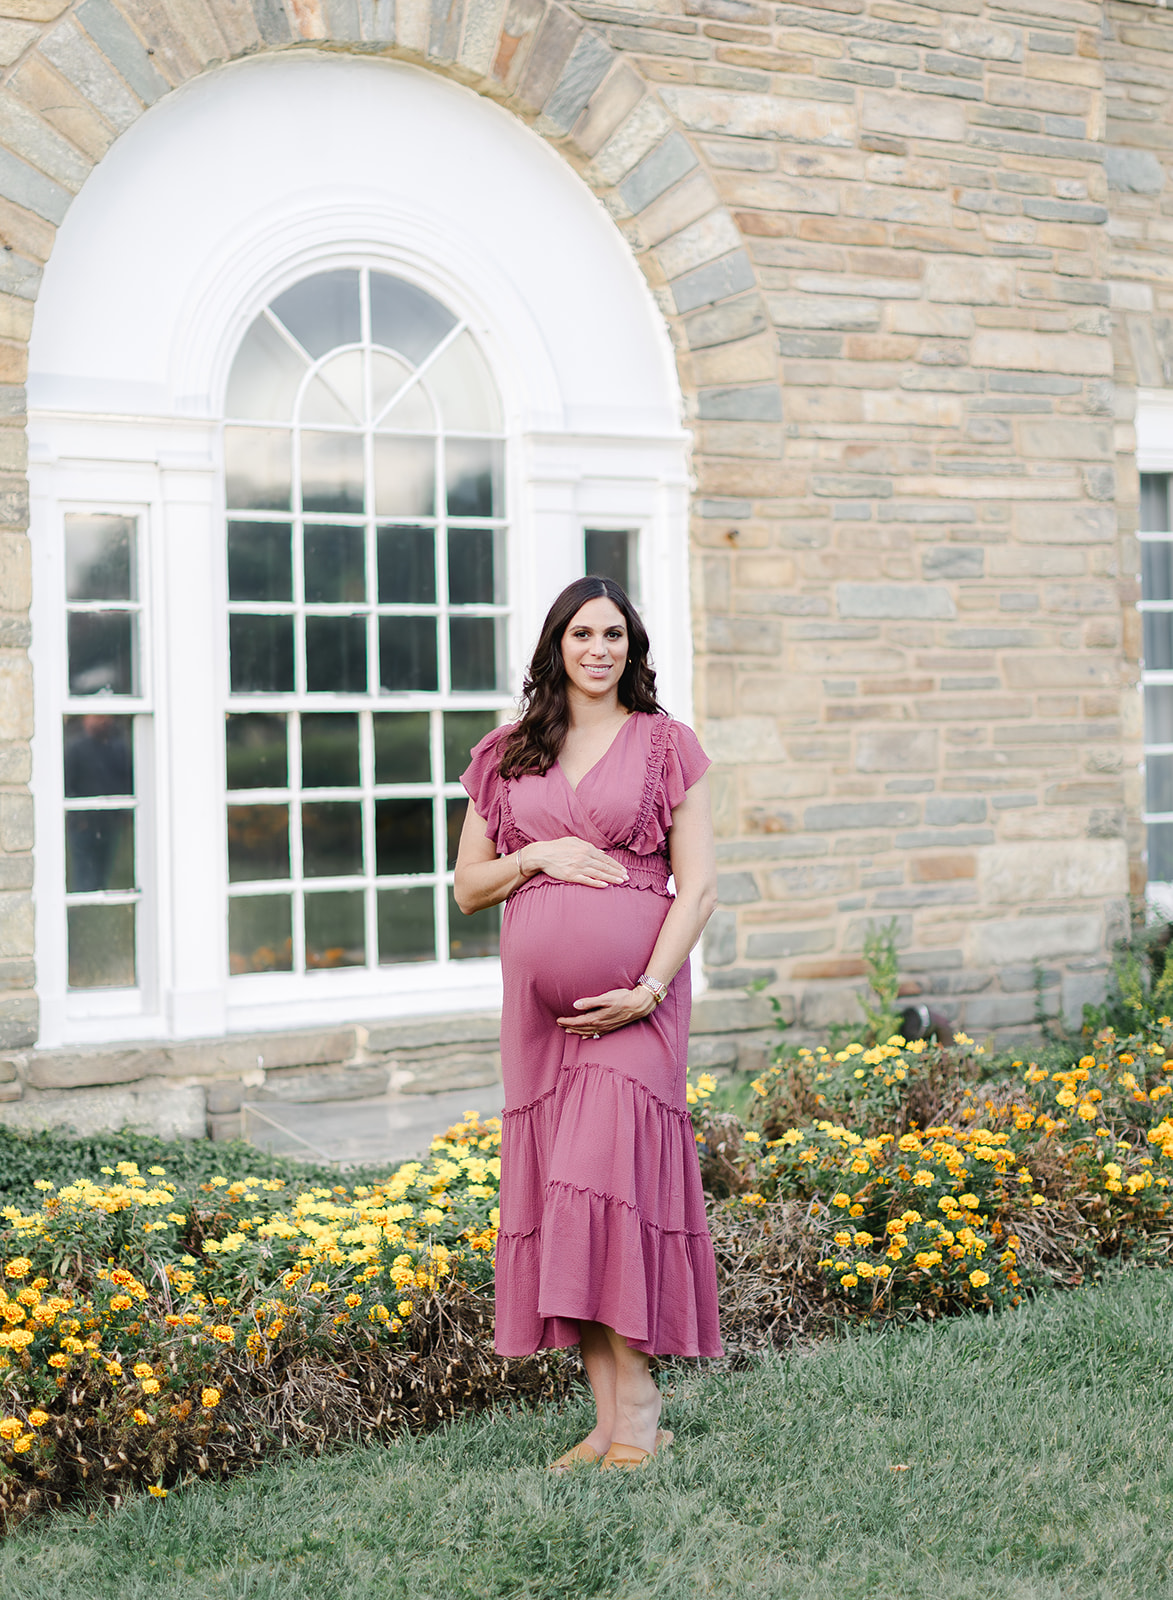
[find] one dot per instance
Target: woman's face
(594, 648)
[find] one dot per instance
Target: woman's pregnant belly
(564, 941)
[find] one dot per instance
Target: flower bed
(153, 1330)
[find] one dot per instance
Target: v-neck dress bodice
(602, 1210)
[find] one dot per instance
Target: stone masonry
(912, 256)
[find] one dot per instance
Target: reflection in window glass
(99, 851)
(335, 932)
(407, 925)
(258, 469)
(335, 564)
(407, 654)
(256, 750)
(99, 558)
(473, 937)
(402, 753)
(101, 652)
(329, 750)
(610, 553)
(99, 756)
(260, 933)
(355, 393)
(260, 561)
(101, 946)
(335, 655)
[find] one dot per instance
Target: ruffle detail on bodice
(603, 1220)
(675, 762)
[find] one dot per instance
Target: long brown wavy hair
(533, 744)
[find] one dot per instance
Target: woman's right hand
(572, 860)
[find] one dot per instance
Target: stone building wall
(910, 303)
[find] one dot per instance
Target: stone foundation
(197, 1088)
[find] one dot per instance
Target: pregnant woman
(578, 813)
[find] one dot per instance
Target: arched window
(310, 456)
(367, 595)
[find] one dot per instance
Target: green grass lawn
(1036, 1465)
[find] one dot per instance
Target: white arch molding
(232, 188)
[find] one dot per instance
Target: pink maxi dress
(602, 1211)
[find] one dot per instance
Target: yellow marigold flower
(11, 1427)
(923, 1178)
(58, 1360)
(143, 1369)
(865, 1269)
(910, 1216)
(753, 1199)
(150, 1385)
(843, 1237)
(18, 1267)
(841, 1199)
(223, 1333)
(979, 1278)
(159, 1494)
(970, 1200)
(849, 1280)
(318, 1287)
(121, 1302)
(353, 1300)
(25, 1442)
(1087, 1112)
(143, 1418)
(114, 1370)
(405, 1308)
(209, 1398)
(37, 1417)
(1037, 1200)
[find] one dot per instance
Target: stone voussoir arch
(80, 76)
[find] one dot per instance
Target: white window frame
(1154, 454)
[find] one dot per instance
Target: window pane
(99, 756)
(257, 469)
(260, 934)
(464, 389)
(331, 472)
(322, 312)
(99, 558)
(258, 843)
(1160, 852)
(407, 566)
(1154, 502)
(405, 477)
(101, 652)
(1158, 714)
(335, 565)
(413, 411)
(342, 377)
(1156, 569)
(463, 729)
(608, 555)
(1158, 783)
(1158, 640)
(407, 925)
(265, 375)
(329, 750)
(403, 836)
(402, 754)
(407, 653)
(260, 561)
(474, 477)
(336, 655)
(404, 318)
(261, 654)
(457, 811)
(478, 935)
(335, 935)
(99, 851)
(101, 947)
(255, 746)
(472, 566)
(320, 403)
(331, 839)
(473, 645)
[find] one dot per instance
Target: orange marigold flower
(143, 1419)
(209, 1398)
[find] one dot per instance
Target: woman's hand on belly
(603, 1013)
(572, 860)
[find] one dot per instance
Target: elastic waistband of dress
(644, 872)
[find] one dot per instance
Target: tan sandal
(583, 1455)
(629, 1457)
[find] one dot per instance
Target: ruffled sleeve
(484, 785)
(676, 762)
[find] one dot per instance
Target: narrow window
(612, 553)
(1156, 607)
(102, 833)
(367, 598)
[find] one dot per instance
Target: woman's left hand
(603, 1013)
